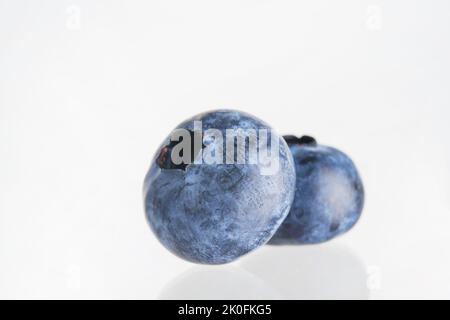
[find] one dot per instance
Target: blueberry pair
(225, 183)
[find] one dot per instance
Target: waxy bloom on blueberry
(329, 194)
(226, 201)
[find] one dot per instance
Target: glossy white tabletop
(88, 90)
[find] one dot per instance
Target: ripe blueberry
(212, 212)
(329, 194)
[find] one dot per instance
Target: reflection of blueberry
(329, 194)
(312, 272)
(214, 213)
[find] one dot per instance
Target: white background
(88, 90)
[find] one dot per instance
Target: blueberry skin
(329, 194)
(215, 213)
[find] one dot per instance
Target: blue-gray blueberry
(329, 194)
(214, 213)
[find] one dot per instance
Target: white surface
(85, 100)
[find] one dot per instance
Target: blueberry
(212, 212)
(329, 194)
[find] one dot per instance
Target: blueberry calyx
(303, 140)
(164, 158)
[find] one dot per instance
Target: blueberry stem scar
(304, 140)
(164, 159)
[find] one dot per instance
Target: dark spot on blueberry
(334, 225)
